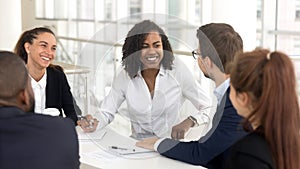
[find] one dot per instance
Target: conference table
(108, 149)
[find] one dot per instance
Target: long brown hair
(28, 36)
(269, 79)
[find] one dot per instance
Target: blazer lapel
(217, 117)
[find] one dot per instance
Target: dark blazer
(36, 141)
(251, 152)
(58, 94)
(211, 150)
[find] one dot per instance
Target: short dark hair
(28, 36)
(134, 43)
(220, 42)
(13, 75)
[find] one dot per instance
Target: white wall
(11, 23)
(241, 15)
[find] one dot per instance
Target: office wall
(241, 15)
(29, 19)
(10, 21)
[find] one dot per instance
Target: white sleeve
(195, 94)
(112, 101)
(104, 118)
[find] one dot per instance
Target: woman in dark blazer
(263, 90)
(58, 93)
(37, 47)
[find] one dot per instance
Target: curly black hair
(133, 46)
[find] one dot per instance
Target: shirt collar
(162, 71)
(221, 89)
(42, 83)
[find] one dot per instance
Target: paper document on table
(98, 157)
(94, 136)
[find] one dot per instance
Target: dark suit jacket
(58, 94)
(211, 150)
(36, 141)
(251, 152)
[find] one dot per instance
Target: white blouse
(155, 116)
(39, 90)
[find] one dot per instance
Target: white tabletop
(95, 151)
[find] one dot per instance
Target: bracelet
(194, 121)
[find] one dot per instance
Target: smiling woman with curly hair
(134, 44)
(154, 85)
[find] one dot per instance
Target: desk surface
(94, 152)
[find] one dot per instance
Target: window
(297, 45)
(298, 15)
(39, 8)
(86, 9)
(259, 10)
(135, 8)
(297, 10)
(174, 7)
(51, 9)
(44, 9)
(198, 9)
(108, 9)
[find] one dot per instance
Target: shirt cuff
(202, 117)
(103, 118)
(157, 143)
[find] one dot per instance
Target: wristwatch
(194, 121)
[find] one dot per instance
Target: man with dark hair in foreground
(29, 140)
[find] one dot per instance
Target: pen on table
(121, 148)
